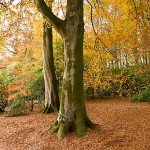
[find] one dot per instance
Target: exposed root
(54, 127)
(63, 127)
(92, 125)
(62, 131)
(47, 110)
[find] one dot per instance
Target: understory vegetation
(17, 107)
(119, 82)
(141, 96)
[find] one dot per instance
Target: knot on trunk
(72, 13)
(48, 24)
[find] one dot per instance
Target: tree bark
(51, 91)
(72, 113)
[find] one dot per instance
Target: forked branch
(49, 16)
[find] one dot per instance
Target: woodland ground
(124, 126)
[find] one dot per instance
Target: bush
(131, 80)
(142, 96)
(5, 79)
(115, 81)
(36, 86)
(3, 97)
(35, 89)
(17, 107)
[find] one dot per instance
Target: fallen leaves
(123, 125)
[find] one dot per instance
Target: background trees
(119, 48)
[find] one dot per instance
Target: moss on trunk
(64, 127)
(72, 114)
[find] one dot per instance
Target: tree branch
(3, 5)
(49, 16)
(9, 50)
(135, 8)
(107, 49)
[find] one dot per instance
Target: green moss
(54, 127)
(61, 132)
(81, 128)
(64, 128)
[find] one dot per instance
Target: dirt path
(124, 126)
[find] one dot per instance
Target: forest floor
(123, 126)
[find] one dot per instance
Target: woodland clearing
(123, 126)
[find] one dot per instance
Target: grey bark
(72, 112)
(51, 92)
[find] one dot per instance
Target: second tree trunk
(51, 92)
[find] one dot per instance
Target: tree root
(63, 127)
(92, 125)
(47, 110)
(54, 127)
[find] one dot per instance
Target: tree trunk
(72, 113)
(51, 91)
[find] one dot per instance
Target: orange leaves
(122, 27)
(11, 97)
(15, 72)
(14, 88)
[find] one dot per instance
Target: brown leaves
(124, 125)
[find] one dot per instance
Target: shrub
(115, 81)
(142, 96)
(89, 92)
(5, 79)
(3, 97)
(36, 86)
(35, 91)
(17, 107)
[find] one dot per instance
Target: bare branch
(62, 8)
(3, 5)
(9, 50)
(135, 8)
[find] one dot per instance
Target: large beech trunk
(72, 113)
(51, 92)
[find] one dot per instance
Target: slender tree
(51, 91)
(72, 113)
